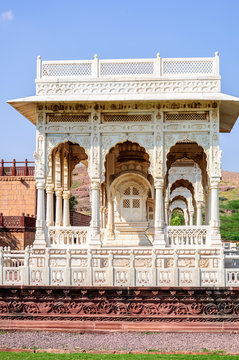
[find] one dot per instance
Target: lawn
(229, 216)
(45, 356)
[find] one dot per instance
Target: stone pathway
(165, 342)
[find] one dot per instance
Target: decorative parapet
(116, 267)
(192, 236)
(134, 76)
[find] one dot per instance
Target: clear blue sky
(77, 29)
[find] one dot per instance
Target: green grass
(229, 215)
(230, 194)
(76, 184)
(84, 356)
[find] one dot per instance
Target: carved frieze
(128, 87)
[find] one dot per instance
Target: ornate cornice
(128, 87)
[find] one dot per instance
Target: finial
(158, 55)
(216, 53)
(39, 57)
(96, 56)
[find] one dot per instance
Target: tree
(73, 203)
(177, 218)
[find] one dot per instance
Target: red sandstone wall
(17, 195)
(78, 219)
(16, 240)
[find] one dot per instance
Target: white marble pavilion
(148, 131)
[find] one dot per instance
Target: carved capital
(158, 183)
(49, 188)
(40, 184)
(199, 204)
(58, 192)
(95, 184)
(214, 183)
(66, 194)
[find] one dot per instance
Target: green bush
(177, 218)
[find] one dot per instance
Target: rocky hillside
(80, 189)
(229, 205)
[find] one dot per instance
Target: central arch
(129, 190)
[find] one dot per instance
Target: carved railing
(115, 267)
(232, 277)
(68, 236)
(187, 236)
(11, 168)
(158, 67)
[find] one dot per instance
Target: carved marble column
(159, 238)
(102, 216)
(95, 217)
(199, 213)
(58, 221)
(185, 217)
(110, 225)
(191, 218)
(40, 238)
(215, 222)
(66, 208)
(208, 207)
(214, 204)
(49, 205)
(166, 215)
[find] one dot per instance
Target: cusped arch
(187, 150)
(181, 191)
(54, 141)
(84, 158)
(183, 150)
(109, 144)
(140, 180)
(182, 183)
(179, 198)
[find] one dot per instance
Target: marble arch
(109, 142)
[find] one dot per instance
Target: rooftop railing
(148, 68)
(11, 168)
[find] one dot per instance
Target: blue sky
(77, 29)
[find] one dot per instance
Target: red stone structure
(119, 309)
(78, 219)
(17, 204)
(17, 188)
(17, 231)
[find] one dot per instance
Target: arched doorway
(129, 191)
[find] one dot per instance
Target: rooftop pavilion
(148, 132)
(158, 79)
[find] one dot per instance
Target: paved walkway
(168, 342)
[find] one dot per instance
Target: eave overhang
(229, 105)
